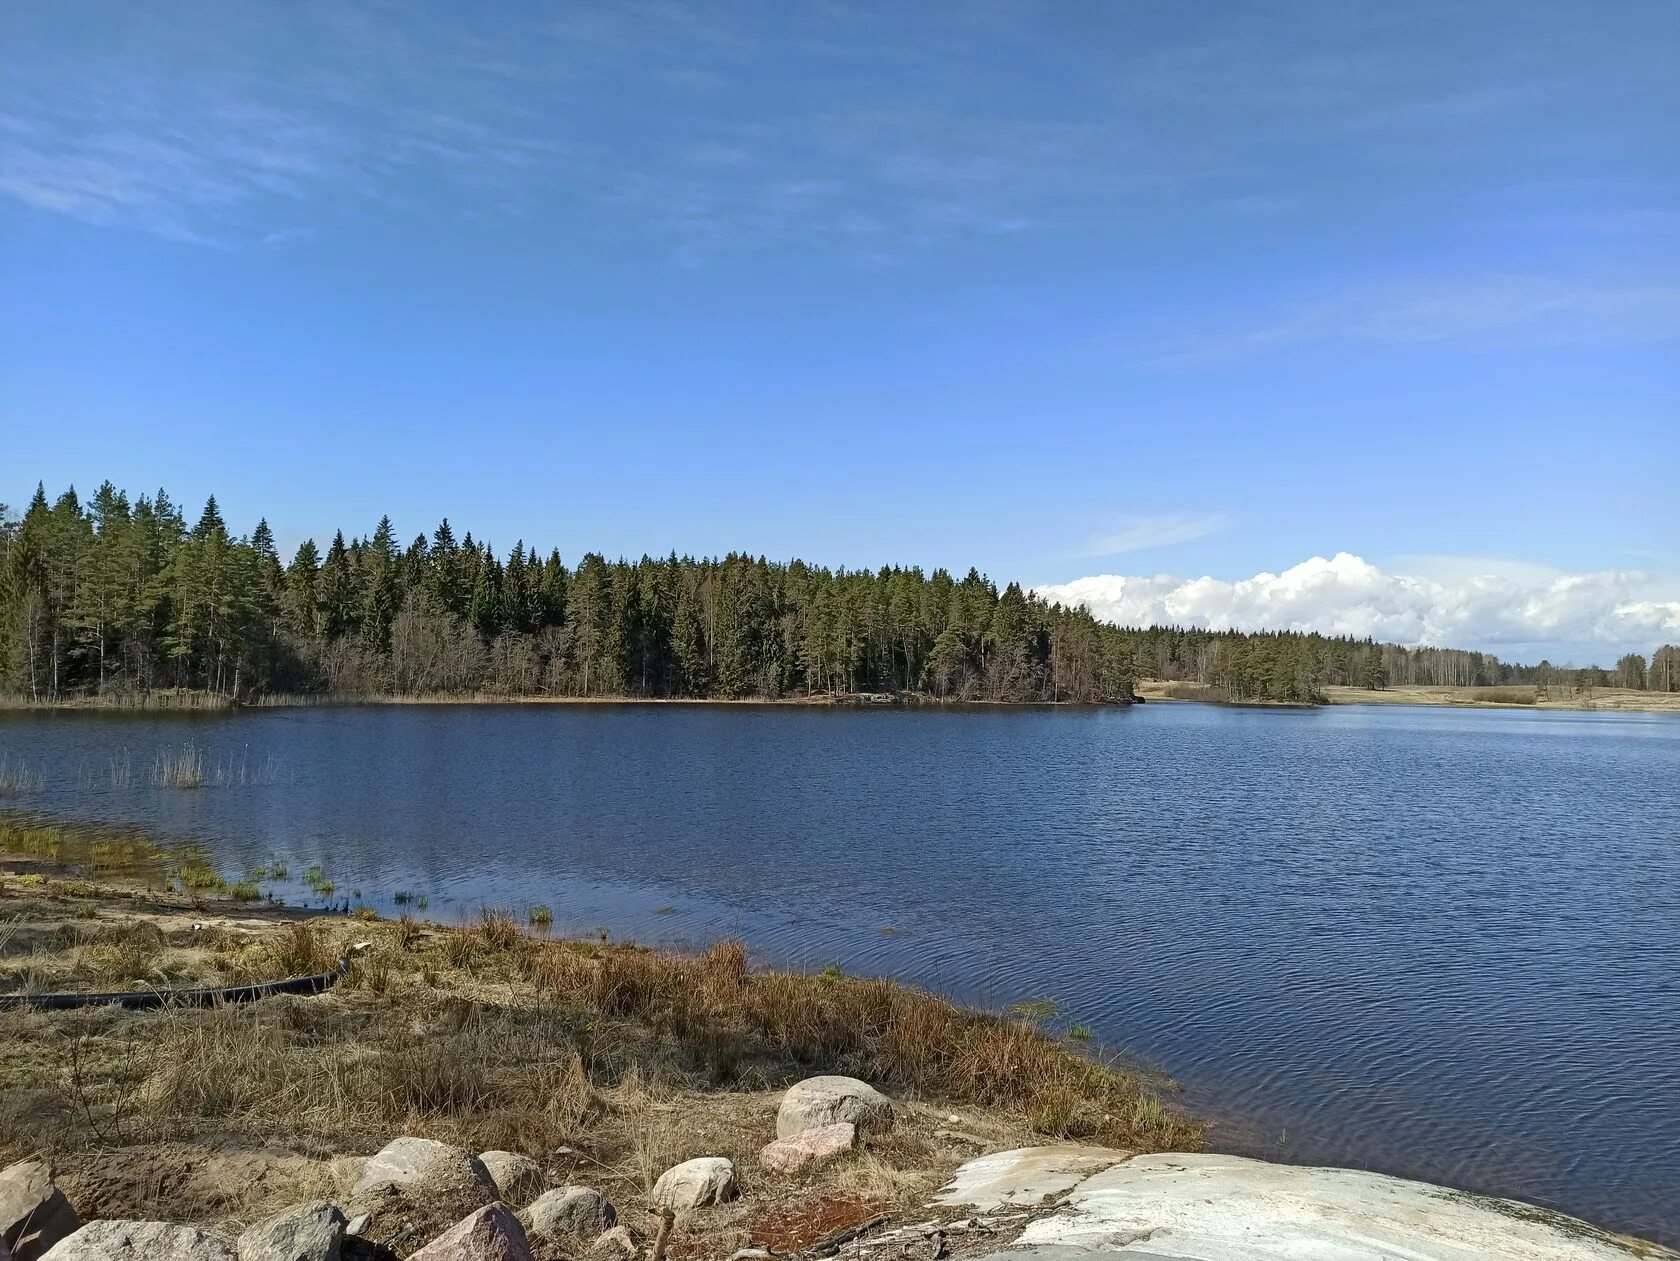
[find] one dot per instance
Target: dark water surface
(1442, 944)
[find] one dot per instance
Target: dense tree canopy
(118, 596)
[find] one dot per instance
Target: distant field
(1609, 698)
(1509, 696)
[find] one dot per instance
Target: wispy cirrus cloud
(1487, 310)
(1139, 534)
(718, 130)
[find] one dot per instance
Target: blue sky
(1054, 289)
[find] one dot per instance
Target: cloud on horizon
(1517, 612)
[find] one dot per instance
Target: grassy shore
(1510, 696)
(612, 1062)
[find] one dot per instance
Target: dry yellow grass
(483, 1035)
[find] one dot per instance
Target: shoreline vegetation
(619, 1060)
(120, 597)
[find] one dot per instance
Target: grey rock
(569, 1213)
(519, 1178)
(113, 1240)
(358, 1225)
(491, 1234)
(696, 1183)
(819, 1101)
(305, 1232)
(408, 1164)
(34, 1215)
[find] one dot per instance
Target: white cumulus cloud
(1521, 612)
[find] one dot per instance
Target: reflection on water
(1443, 944)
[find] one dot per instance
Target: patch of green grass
(1034, 1010)
(1080, 1032)
(245, 891)
(540, 917)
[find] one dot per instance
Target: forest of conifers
(120, 597)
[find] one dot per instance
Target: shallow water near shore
(1442, 944)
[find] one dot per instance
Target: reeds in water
(17, 779)
(179, 768)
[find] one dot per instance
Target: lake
(1440, 943)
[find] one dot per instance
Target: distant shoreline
(206, 702)
(1601, 700)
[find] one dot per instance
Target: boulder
(569, 1213)
(491, 1234)
(519, 1178)
(809, 1148)
(696, 1183)
(34, 1215)
(306, 1232)
(113, 1240)
(407, 1164)
(819, 1101)
(1204, 1207)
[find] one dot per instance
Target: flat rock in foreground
(111, 1240)
(1201, 1207)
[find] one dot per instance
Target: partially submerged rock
(569, 1213)
(809, 1148)
(820, 1101)
(1174, 1207)
(113, 1240)
(306, 1232)
(697, 1183)
(34, 1214)
(491, 1234)
(518, 1178)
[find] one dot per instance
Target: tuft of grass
(193, 872)
(277, 870)
(245, 891)
(1035, 1010)
(1080, 1032)
(16, 780)
(179, 768)
(540, 917)
(366, 914)
(497, 929)
(402, 897)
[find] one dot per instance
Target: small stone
(308, 1232)
(819, 1101)
(808, 1148)
(34, 1215)
(405, 1164)
(569, 1213)
(491, 1234)
(696, 1183)
(113, 1240)
(519, 1178)
(358, 1225)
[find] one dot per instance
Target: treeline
(121, 597)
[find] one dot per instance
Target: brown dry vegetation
(624, 1060)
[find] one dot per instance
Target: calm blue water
(1439, 943)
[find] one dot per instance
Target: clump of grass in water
(277, 870)
(1034, 1010)
(245, 891)
(45, 843)
(17, 780)
(1080, 1032)
(319, 884)
(183, 768)
(194, 872)
(402, 897)
(540, 917)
